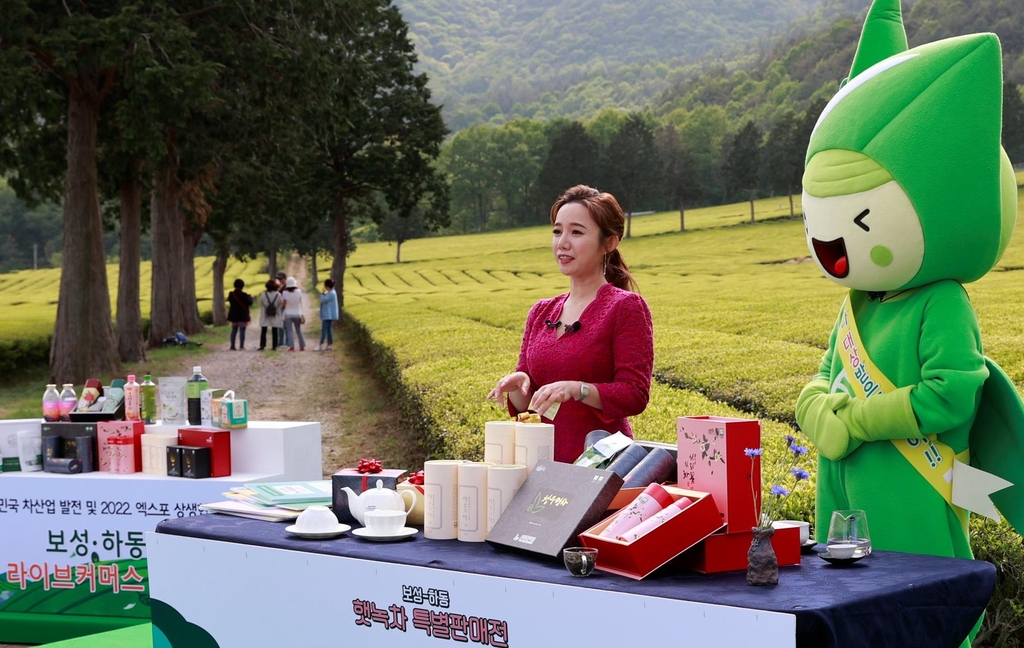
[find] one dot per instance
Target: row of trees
(509, 175)
(263, 124)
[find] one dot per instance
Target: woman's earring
(605, 264)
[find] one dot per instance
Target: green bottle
(197, 384)
(148, 399)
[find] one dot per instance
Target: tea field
(30, 296)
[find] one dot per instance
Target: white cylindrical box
(440, 499)
(502, 484)
(472, 520)
(500, 442)
(534, 442)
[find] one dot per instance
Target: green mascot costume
(908, 195)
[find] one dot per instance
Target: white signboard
(241, 596)
(75, 544)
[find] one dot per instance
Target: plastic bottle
(148, 400)
(51, 404)
(196, 384)
(68, 401)
(132, 393)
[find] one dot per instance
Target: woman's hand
(517, 383)
(556, 392)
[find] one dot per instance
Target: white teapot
(379, 499)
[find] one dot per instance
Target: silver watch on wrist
(584, 391)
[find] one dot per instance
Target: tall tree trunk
(398, 251)
(629, 217)
(316, 275)
(129, 310)
(480, 212)
(682, 217)
(340, 246)
(83, 342)
(789, 190)
(189, 305)
(751, 205)
(165, 295)
(272, 262)
(220, 264)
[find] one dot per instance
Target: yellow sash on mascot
(931, 458)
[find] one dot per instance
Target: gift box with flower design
(639, 556)
(360, 478)
(711, 458)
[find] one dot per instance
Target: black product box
(553, 506)
(79, 448)
(358, 482)
(195, 462)
(174, 460)
(70, 435)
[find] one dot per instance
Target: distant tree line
(508, 175)
(260, 125)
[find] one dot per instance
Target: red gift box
(711, 458)
(217, 440)
(640, 557)
(119, 433)
(728, 551)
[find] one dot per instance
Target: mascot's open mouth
(832, 255)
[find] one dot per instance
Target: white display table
(72, 547)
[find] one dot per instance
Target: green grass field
(30, 296)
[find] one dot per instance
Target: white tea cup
(805, 528)
(384, 523)
(842, 551)
(316, 519)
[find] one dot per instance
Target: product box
(219, 443)
(174, 460)
(154, 452)
(120, 446)
(711, 459)
(70, 432)
(728, 551)
(234, 412)
(79, 448)
(358, 482)
(206, 400)
(638, 558)
(9, 440)
(555, 503)
(195, 462)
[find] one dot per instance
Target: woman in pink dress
(591, 349)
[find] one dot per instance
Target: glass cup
(850, 527)
(580, 561)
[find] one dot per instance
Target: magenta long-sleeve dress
(613, 349)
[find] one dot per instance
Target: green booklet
(297, 492)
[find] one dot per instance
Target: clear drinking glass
(580, 561)
(850, 526)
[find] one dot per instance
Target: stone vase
(762, 564)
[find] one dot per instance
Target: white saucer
(319, 535)
(403, 533)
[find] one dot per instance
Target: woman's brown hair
(608, 215)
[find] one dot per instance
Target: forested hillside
(495, 61)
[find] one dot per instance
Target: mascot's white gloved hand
(816, 416)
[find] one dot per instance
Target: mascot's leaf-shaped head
(906, 182)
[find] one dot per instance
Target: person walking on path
(238, 313)
(271, 315)
(293, 317)
(328, 313)
(282, 278)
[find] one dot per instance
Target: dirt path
(335, 388)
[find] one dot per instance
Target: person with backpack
(238, 313)
(271, 315)
(293, 317)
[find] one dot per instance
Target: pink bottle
(653, 499)
(132, 399)
(656, 520)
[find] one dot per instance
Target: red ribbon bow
(416, 479)
(369, 466)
